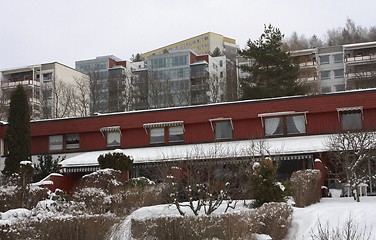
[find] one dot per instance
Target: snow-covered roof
(231, 149)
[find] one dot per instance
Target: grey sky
(41, 31)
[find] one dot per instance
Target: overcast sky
(41, 31)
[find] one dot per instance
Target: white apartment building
(38, 82)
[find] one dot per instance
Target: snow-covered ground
(332, 212)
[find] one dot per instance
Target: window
(350, 118)
(340, 87)
(113, 139)
(276, 124)
(221, 63)
(156, 135)
(47, 77)
(157, 131)
(72, 141)
(338, 73)
(112, 134)
(176, 134)
(338, 58)
(222, 128)
(324, 59)
(56, 142)
(221, 74)
(325, 75)
(327, 89)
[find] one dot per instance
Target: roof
(230, 149)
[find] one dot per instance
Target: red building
(292, 129)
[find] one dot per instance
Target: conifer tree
(272, 72)
(263, 184)
(17, 136)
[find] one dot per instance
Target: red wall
(322, 118)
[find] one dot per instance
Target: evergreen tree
(46, 165)
(17, 136)
(216, 52)
(263, 184)
(272, 72)
(116, 160)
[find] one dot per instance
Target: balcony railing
(10, 84)
(367, 74)
(361, 58)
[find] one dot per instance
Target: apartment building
(360, 65)
(200, 44)
(338, 68)
(111, 85)
(182, 78)
(39, 82)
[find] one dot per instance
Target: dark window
(324, 59)
(223, 130)
(72, 141)
(351, 120)
(156, 135)
(176, 134)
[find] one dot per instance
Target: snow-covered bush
(140, 182)
(263, 184)
(274, 219)
(11, 196)
(305, 186)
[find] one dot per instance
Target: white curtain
(113, 139)
(299, 122)
(271, 125)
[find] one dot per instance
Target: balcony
(361, 58)
(25, 83)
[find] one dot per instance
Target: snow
(26, 163)
(288, 145)
(332, 212)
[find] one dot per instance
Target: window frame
(167, 136)
(355, 126)
(215, 121)
(283, 123)
(61, 142)
(72, 146)
(108, 131)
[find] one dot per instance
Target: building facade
(202, 44)
(110, 84)
(292, 130)
(338, 68)
(40, 83)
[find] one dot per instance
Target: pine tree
(272, 73)
(116, 160)
(17, 136)
(263, 183)
(216, 52)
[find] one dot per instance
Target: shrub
(140, 182)
(263, 184)
(273, 219)
(115, 160)
(305, 187)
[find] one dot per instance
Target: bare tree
(82, 96)
(351, 155)
(295, 42)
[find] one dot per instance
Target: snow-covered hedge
(273, 219)
(305, 186)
